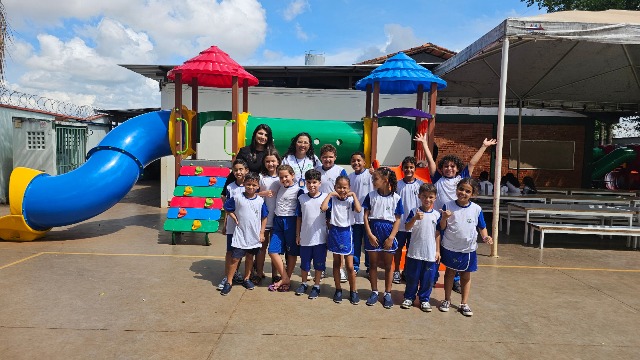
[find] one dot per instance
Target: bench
(543, 228)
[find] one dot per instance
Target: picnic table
(566, 212)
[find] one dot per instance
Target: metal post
(374, 123)
(504, 66)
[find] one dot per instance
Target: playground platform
(113, 287)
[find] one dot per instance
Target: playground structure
(39, 202)
(618, 167)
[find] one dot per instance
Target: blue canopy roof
(401, 74)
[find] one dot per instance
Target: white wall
(313, 104)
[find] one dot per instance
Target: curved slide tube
(39, 201)
(611, 161)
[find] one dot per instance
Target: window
(35, 140)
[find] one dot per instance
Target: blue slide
(111, 170)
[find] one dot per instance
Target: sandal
(272, 287)
(283, 288)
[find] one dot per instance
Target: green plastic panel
(346, 136)
(212, 192)
(185, 225)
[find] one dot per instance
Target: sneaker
(456, 287)
(373, 299)
(386, 301)
(444, 307)
(221, 285)
(237, 278)
(324, 275)
(315, 291)
(302, 289)
(343, 276)
(354, 299)
(425, 306)
(406, 304)
(337, 296)
(465, 310)
(226, 289)
(248, 284)
(396, 277)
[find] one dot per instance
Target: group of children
(302, 206)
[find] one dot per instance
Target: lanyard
(301, 181)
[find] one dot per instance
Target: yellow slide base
(14, 228)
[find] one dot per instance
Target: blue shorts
(283, 236)
(381, 229)
(403, 238)
(237, 253)
(229, 239)
(340, 240)
(459, 261)
(317, 253)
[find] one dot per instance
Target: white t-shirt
(313, 229)
(383, 207)
(300, 166)
(447, 187)
(287, 200)
(409, 194)
(486, 187)
(342, 212)
(361, 185)
(461, 233)
(423, 236)
(250, 213)
(233, 189)
(270, 183)
(328, 179)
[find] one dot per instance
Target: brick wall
(464, 140)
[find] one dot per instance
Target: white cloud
(79, 44)
(398, 38)
(300, 34)
(295, 8)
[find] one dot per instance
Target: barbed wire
(35, 102)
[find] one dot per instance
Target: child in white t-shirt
(311, 233)
(249, 213)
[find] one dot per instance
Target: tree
(589, 5)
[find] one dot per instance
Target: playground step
(204, 171)
(195, 202)
(195, 191)
(193, 214)
(186, 225)
(207, 163)
(216, 181)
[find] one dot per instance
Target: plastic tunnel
(40, 201)
(611, 161)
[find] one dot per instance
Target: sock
(386, 293)
(316, 286)
(375, 292)
(304, 283)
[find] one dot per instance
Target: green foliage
(589, 5)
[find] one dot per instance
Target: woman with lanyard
(301, 157)
(261, 141)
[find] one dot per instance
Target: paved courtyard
(114, 287)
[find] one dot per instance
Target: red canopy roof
(213, 68)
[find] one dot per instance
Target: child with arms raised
(249, 213)
(382, 212)
(341, 205)
(423, 253)
(311, 233)
(461, 219)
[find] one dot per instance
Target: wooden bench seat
(543, 228)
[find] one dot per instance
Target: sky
(69, 50)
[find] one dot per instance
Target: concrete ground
(114, 287)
